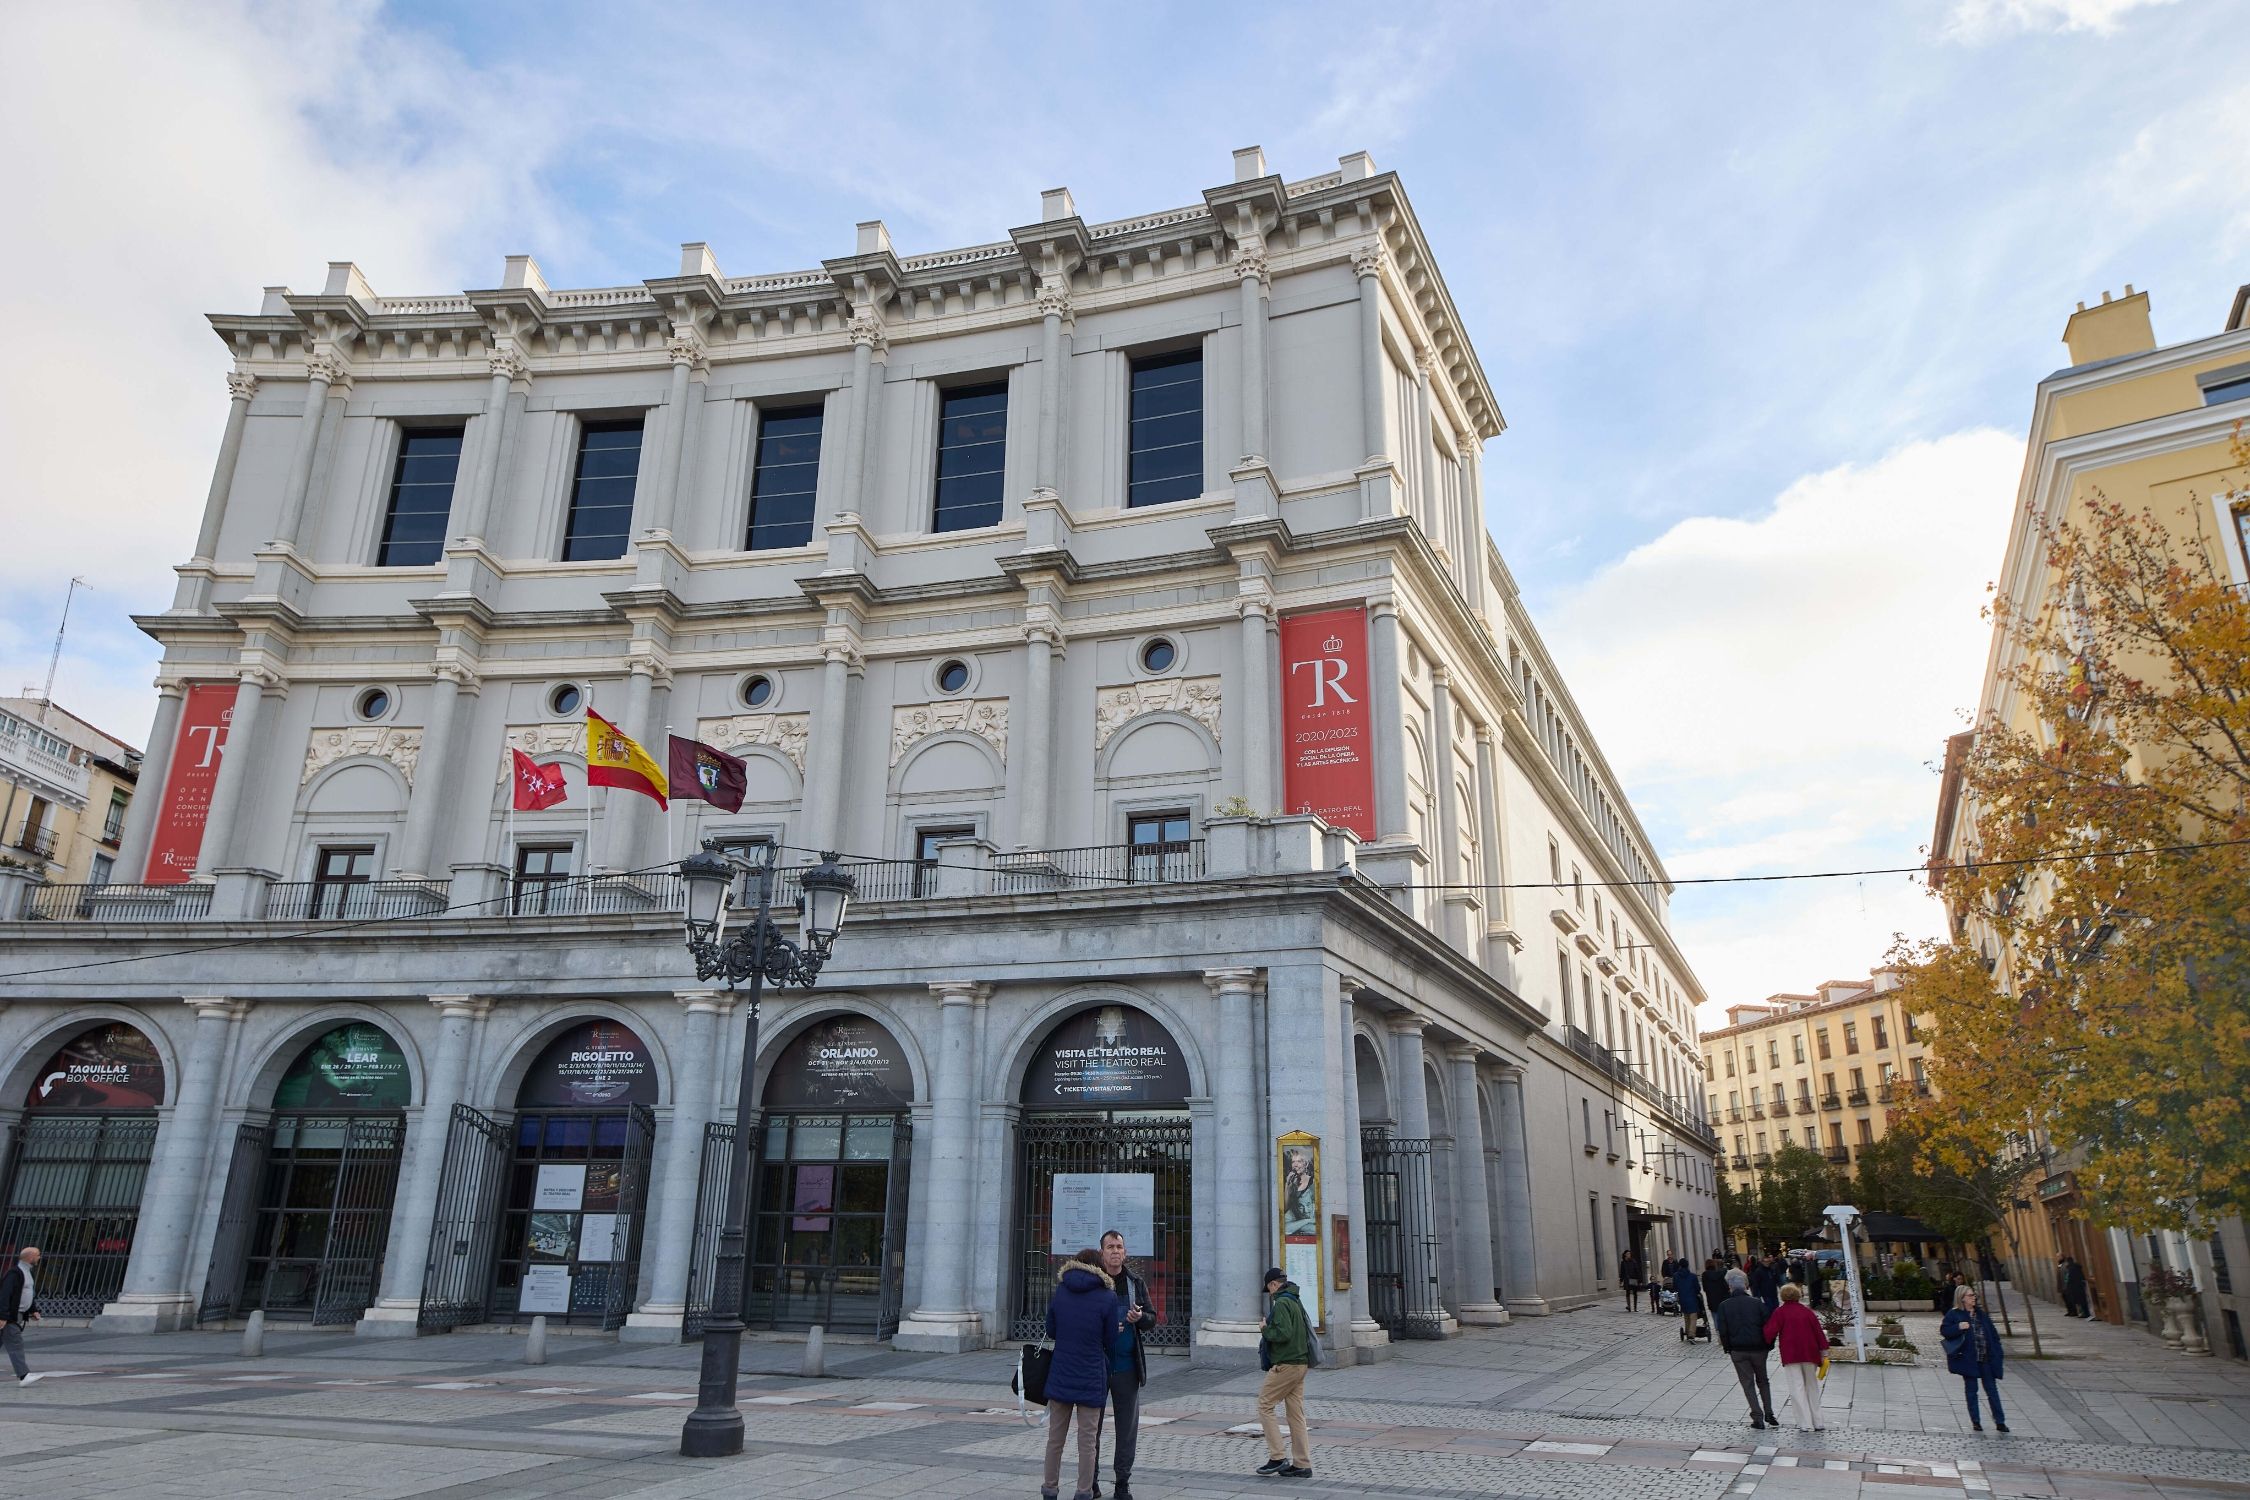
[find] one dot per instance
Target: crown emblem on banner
(1333, 645)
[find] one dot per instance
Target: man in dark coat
(1128, 1359)
(1714, 1286)
(1741, 1321)
(19, 1308)
(1630, 1278)
(1764, 1283)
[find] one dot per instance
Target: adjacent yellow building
(64, 788)
(1817, 1071)
(2144, 425)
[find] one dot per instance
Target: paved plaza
(1594, 1403)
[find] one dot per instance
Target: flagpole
(513, 790)
(669, 855)
(589, 779)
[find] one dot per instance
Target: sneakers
(30, 1379)
(1295, 1472)
(1273, 1466)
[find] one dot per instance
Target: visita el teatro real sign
(1328, 765)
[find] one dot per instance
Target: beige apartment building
(64, 788)
(1813, 1070)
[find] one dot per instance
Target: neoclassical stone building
(1115, 597)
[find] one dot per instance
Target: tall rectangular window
(1882, 1036)
(601, 493)
(542, 878)
(335, 872)
(113, 825)
(421, 498)
(1165, 460)
(781, 487)
(972, 453)
(1569, 1005)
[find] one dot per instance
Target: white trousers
(1800, 1386)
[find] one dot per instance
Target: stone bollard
(816, 1353)
(535, 1342)
(254, 1335)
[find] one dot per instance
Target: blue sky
(1763, 290)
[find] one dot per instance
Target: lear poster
(1327, 720)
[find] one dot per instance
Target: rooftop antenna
(54, 659)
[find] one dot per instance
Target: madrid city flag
(613, 759)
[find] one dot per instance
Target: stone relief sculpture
(784, 732)
(986, 718)
(401, 747)
(1196, 697)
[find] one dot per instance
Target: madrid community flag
(702, 773)
(613, 759)
(537, 785)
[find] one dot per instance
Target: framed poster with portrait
(1297, 1159)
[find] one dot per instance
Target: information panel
(206, 709)
(1089, 1204)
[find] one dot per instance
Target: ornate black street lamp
(760, 954)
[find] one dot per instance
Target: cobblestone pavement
(1594, 1403)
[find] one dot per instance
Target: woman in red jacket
(1795, 1329)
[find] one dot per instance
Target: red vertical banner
(1327, 726)
(205, 713)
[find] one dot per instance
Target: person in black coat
(1082, 1316)
(1741, 1321)
(1765, 1285)
(1973, 1352)
(1714, 1285)
(1690, 1293)
(1630, 1278)
(19, 1308)
(1128, 1360)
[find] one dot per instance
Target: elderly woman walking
(1082, 1316)
(1972, 1351)
(1804, 1348)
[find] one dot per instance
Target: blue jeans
(1991, 1393)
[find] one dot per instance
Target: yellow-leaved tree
(2097, 985)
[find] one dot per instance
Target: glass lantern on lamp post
(760, 953)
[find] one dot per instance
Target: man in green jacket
(1286, 1342)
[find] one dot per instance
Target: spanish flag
(612, 759)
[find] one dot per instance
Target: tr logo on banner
(1328, 766)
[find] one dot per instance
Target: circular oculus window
(373, 703)
(1159, 655)
(566, 700)
(757, 691)
(952, 676)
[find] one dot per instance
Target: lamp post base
(711, 1434)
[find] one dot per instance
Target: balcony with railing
(1838, 1154)
(1856, 1098)
(37, 842)
(352, 901)
(184, 902)
(1831, 1101)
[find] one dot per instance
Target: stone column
(1250, 266)
(827, 756)
(1367, 264)
(1423, 457)
(1254, 719)
(1471, 560)
(322, 370)
(671, 1247)
(1368, 1336)
(148, 792)
(687, 354)
(507, 367)
(433, 776)
(414, 1205)
(1234, 1316)
(240, 388)
(1390, 744)
(157, 1296)
(1054, 307)
(945, 1323)
(1446, 864)
(221, 844)
(1412, 1077)
(1520, 1266)
(866, 333)
(630, 814)
(1472, 1218)
(1490, 822)
(1040, 644)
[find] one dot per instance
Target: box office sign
(844, 1062)
(1327, 726)
(1111, 1057)
(206, 709)
(107, 1067)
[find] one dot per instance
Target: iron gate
(457, 1277)
(238, 1214)
(610, 1285)
(73, 1188)
(710, 1212)
(1401, 1269)
(1159, 1145)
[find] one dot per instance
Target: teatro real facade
(1115, 597)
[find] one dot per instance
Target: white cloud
(1773, 690)
(225, 146)
(1976, 21)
